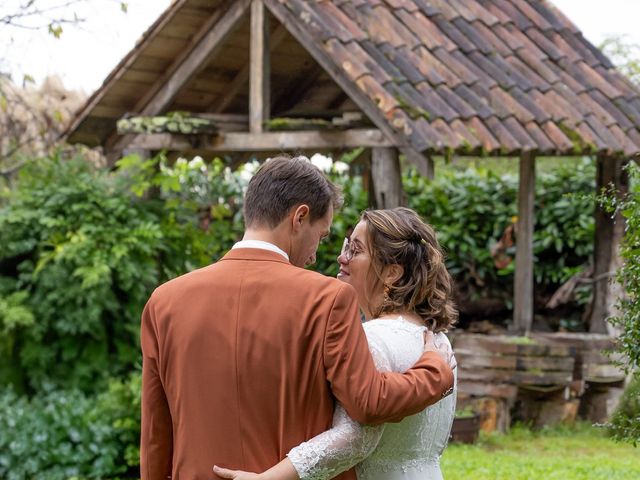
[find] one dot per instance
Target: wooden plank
(259, 71)
(387, 177)
(515, 362)
(240, 80)
(523, 282)
(581, 341)
(514, 377)
(249, 142)
(606, 373)
(608, 233)
(481, 389)
(501, 345)
(213, 34)
(542, 378)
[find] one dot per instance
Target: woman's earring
(386, 290)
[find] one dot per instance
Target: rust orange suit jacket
(243, 359)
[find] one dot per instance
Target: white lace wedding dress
(409, 450)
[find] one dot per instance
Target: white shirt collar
(261, 245)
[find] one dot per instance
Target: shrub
(66, 434)
(474, 212)
(626, 422)
(81, 254)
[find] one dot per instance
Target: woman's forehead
(359, 232)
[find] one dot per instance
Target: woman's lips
(343, 273)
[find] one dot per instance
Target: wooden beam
(241, 78)
(424, 163)
(259, 102)
(294, 26)
(258, 142)
(290, 95)
(196, 59)
(206, 42)
(125, 64)
(523, 282)
(387, 177)
(609, 231)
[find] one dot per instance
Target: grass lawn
(581, 452)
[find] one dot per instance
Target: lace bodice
(409, 449)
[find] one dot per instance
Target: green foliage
(626, 422)
(564, 453)
(473, 209)
(81, 254)
(66, 434)
(629, 274)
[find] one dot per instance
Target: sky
(85, 54)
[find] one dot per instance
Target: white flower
(322, 162)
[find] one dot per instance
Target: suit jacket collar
(255, 254)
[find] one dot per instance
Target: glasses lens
(346, 251)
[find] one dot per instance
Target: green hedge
(67, 434)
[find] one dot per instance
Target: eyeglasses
(346, 251)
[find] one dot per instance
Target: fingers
(441, 348)
(429, 338)
(224, 472)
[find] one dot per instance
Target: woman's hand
(282, 471)
(235, 474)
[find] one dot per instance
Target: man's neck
(269, 236)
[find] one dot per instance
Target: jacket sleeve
(346, 443)
(156, 436)
(369, 396)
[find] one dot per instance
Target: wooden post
(259, 101)
(523, 282)
(387, 178)
(608, 233)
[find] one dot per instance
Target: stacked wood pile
(546, 379)
(596, 375)
(496, 372)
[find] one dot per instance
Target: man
(242, 359)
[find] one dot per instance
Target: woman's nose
(342, 259)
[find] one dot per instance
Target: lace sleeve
(346, 443)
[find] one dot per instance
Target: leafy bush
(626, 422)
(474, 212)
(81, 254)
(629, 274)
(66, 434)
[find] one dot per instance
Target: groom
(243, 359)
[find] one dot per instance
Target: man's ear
(393, 273)
(300, 215)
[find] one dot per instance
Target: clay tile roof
(466, 76)
(499, 76)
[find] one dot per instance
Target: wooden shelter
(413, 77)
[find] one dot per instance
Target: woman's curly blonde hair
(399, 236)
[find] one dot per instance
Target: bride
(395, 264)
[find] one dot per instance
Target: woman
(395, 264)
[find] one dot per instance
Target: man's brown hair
(283, 183)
